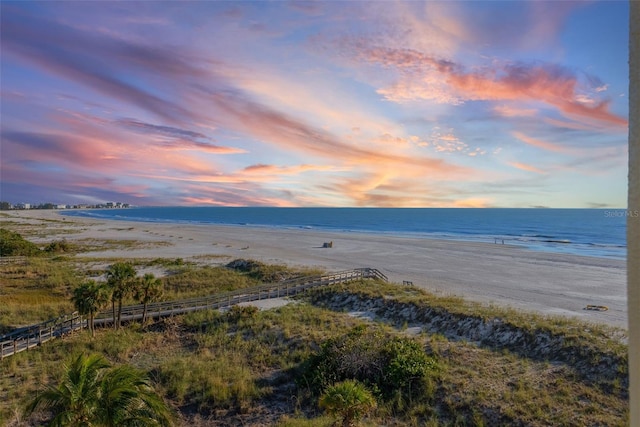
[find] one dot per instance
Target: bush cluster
(13, 244)
(261, 272)
(396, 369)
(240, 312)
(59, 246)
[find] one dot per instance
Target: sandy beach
(555, 284)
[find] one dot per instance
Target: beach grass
(35, 290)
(241, 367)
(209, 363)
(97, 245)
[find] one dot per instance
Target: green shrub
(348, 399)
(395, 368)
(266, 273)
(239, 312)
(58, 247)
(408, 369)
(13, 244)
(200, 320)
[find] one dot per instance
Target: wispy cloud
(511, 111)
(422, 76)
(544, 145)
(176, 138)
(87, 58)
(331, 103)
(526, 167)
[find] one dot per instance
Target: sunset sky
(377, 103)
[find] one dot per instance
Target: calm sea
(590, 232)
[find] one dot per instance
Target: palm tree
(74, 401)
(350, 399)
(88, 298)
(128, 399)
(93, 394)
(148, 289)
(120, 278)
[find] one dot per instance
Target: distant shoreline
(585, 232)
(548, 283)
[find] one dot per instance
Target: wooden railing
(31, 336)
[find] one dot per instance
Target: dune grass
(35, 290)
(210, 364)
(243, 367)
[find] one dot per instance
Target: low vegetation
(268, 273)
(396, 369)
(92, 393)
(13, 244)
(35, 289)
(312, 363)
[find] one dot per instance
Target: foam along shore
(547, 283)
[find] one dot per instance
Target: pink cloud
(285, 170)
(287, 133)
(538, 143)
(423, 76)
(550, 84)
(526, 167)
(382, 189)
(197, 194)
(510, 111)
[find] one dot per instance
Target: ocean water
(588, 232)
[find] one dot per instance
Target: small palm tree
(128, 399)
(148, 289)
(349, 399)
(89, 298)
(93, 394)
(74, 401)
(120, 278)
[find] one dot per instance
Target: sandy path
(488, 273)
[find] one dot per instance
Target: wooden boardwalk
(32, 336)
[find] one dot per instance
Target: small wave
(604, 245)
(539, 236)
